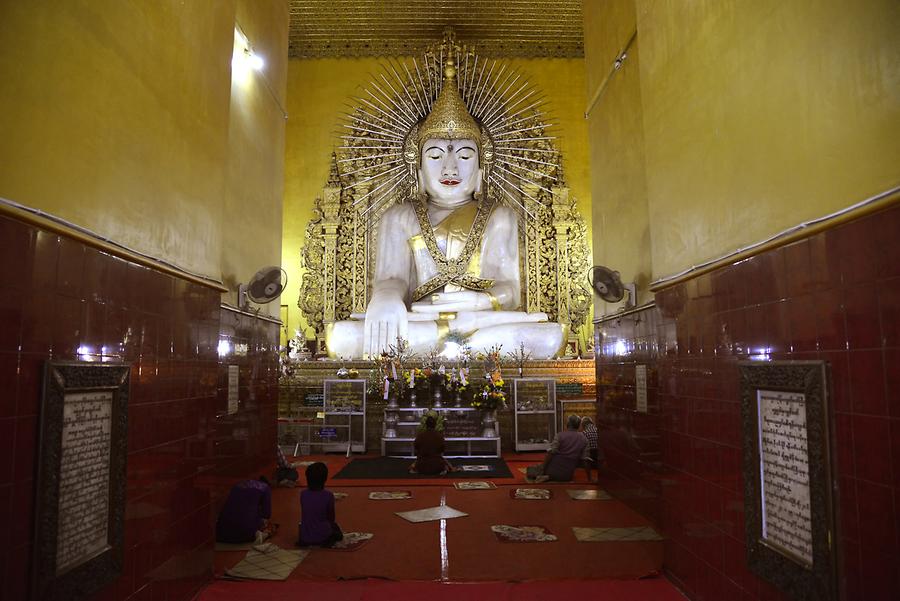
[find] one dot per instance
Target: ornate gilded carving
(331, 221)
(312, 289)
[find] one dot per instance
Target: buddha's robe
(404, 255)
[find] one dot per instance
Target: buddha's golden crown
(449, 118)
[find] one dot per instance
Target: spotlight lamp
(250, 58)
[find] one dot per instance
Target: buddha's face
(450, 172)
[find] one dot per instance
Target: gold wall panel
(730, 122)
(121, 117)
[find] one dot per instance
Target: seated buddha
(447, 262)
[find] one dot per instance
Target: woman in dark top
(568, 449)
(317, 526)
(429, 446)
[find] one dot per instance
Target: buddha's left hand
(464, 300)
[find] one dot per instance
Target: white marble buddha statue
(447, 262)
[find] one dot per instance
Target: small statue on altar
(447, 263)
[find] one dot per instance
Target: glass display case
(344, 421)
(534, 406)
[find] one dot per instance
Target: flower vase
(390, 425)
(412, 397)
(458, 400)
(392, 399)
(489, 424)
(438, 396)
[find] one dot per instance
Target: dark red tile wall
(834, 296)
(63, 300)
(631, 439)
(245, 441)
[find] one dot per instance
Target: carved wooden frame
(811, 378)
(79, 581)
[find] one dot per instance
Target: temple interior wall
(728, 123)
(133, 128)
(743, 118)
(621, 234)
(834, 297)
(120, 116)
(320, 90)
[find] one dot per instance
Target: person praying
(245, 516)
(317, 526)
(589, 430)
(429, 447)
(286, 474)
(568, 449)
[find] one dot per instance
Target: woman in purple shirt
(246, 511)
(317, 526)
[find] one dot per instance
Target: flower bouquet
(415, 383)
(491, 398)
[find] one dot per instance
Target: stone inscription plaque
(784, 477)
(84, 478)
(344, 396)
(80, 489)
(788, 509)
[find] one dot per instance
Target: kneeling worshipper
(318, 527)
(286, 474)
(245, 516)
(429, 446)
(590, 434)
(568, 449)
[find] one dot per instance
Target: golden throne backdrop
(337, 256)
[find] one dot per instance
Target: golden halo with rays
(508, 108)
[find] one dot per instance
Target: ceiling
(507, 28)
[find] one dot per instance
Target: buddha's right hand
(385, 321)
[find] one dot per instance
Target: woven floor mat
(531, 494)
(267, 562)
(522, 534)
(617, 535)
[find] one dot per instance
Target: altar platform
(301, 419)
